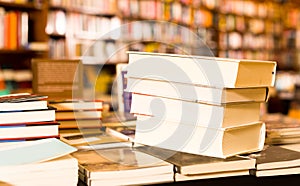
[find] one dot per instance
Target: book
(186, 112)
(181, 177)
(29, 130)
(276, 160)
(78, 114)
(215, 142)
(80, 123)
(76, 105)
(141, 180)
(197, 93)
(130, 166)
(26, 116)
(191, 164)
(20, 153)
(59, 171)
(57, 78)
(93, 140)
(25, 105)
(281, 129)
(21, 97)
(200, 70)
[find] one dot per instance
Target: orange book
(6, 30)
(13, 39)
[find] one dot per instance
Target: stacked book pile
(39, 162)
(200, 105)
(78, 114)
(121, 166)
(281, 129)
(277, 160)
(26, 117)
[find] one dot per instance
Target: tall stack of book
(200, 105)
(78, 114)
(26, 117)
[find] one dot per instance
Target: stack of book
(78, 114)
(277, 160)
(200, 105)
(121, 166)
(281, 129)
(39, 162)
(26, 117)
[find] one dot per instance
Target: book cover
(20, 153)
(232, 73)
(59, 79)
(97, 139)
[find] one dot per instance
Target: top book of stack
(199, 70)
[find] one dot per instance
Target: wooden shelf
(20, 6)
(18, 52)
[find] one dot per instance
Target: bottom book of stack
(121, 166)
(192, 167)
(42, 162)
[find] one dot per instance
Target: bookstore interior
(149, 92)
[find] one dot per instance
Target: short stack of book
(38, 162)
(277, 160)
(281, 129)
(199, 105)
(26, 117)
(121, 166)
(78, 114)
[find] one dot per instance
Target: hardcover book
(200, 70)
(215, 142)
(186, 112)
(196, 93)
(22, 101)
(26, 116)
(27, 131)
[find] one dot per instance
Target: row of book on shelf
(13, 29)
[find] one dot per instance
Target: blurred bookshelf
(22, 29)
(100, 32)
